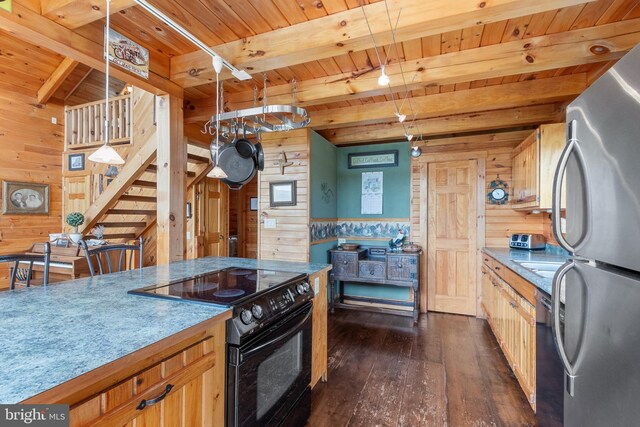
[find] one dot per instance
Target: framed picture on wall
(25, 198)
(76, 162)
(282, 193)
(373, 159)
(253, 203)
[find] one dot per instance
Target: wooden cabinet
(512, 319)
(177, 381)
(372, 270)
(320, 313)
(401, 267)
(345, 264)
(534, 162)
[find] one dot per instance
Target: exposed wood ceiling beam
(459, 123)
(36, 29)
(474, 142)
(511, 95)
(549, 52)
(56, 79)
(76, 13)
(347, 31)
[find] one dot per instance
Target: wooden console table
(392, 269)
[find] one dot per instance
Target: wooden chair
(16, 259)
(103, 254)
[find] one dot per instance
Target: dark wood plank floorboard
(446, 371)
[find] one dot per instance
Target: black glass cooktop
(226, 287)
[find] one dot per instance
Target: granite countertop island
(508, 257)
(50, 335)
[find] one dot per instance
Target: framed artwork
(282, 193)
(373, 159)
(253, 203)
(25, 198)
(76, 162)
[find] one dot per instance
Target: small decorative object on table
(411, 247)
(75, 220)
(350, 246)
(396, 242)
(98, 231)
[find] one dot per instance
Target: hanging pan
(245, 147)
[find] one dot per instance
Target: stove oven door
(268, 378)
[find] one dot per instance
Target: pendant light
(106, 153)
(383, 80)
(217, 171)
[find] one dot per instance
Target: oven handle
(286, 336)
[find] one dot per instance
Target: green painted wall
(396, 182)
(324, 178)
(324, 190)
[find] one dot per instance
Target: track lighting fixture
(415, 151)
(409, 137)
(401, 117)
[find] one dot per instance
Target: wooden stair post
(171, 179)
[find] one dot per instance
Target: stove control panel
(253, 316)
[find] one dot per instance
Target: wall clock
(499, 192)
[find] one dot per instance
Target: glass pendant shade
(106, 154)
(217, 172)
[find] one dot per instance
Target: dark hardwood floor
(447, 371)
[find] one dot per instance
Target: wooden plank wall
(500, 220)
(30, 151)
(289, 241)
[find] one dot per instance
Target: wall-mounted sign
(128, 54)
(373, 159)
(6, 5)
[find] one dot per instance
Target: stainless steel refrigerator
(598, 337)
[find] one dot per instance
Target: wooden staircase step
(132, 224)
(130, 198)
(154, 169)
(128, 236)
(131, 212)
(143, 184)
(197, 159)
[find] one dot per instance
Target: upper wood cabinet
(534, 163)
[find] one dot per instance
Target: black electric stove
(229, 287)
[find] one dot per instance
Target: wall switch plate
(342, 241)
(188, 235)
(54, 120)
(316, 285)
(270, 223)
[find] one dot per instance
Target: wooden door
(77, 194)
(452, 236)
(216, 218)
(526, 172)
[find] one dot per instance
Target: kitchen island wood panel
(320, 314)
(187, 368)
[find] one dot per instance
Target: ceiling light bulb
(401, 117)
(217, 172)
(416, 151)
(106, 154)
(383, 80)
(217, 64)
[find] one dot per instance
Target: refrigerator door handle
(557, 188)
(555, 296)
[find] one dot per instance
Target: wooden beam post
(56, 79)
(171, 184)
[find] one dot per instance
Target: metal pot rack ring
(254, 120)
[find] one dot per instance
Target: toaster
(527, 241)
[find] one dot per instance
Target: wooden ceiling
(468, 67)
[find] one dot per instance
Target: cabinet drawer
(345, 264)
(372, 270)
(401, 267)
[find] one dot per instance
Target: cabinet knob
(399, 265)
(345, 262)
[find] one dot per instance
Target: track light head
(401, 117)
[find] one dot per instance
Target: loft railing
(84, 124)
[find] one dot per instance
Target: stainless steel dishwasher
(549, 371)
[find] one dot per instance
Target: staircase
(133, 212)
(127, 207)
